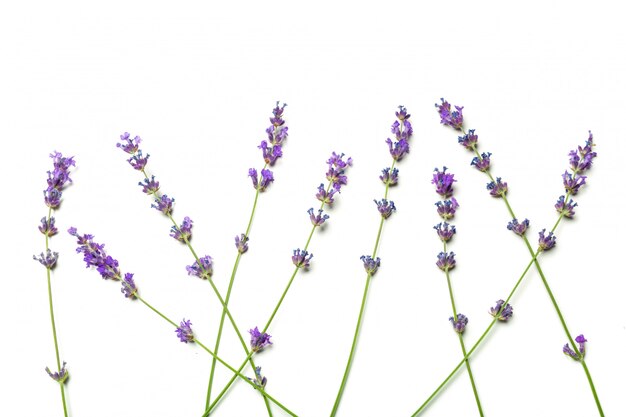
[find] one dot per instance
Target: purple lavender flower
(182, 233)
(580, 339)
(502, 314)
(47, 227)
(446, 209)
(318, 219)
(266, 179)
(52, 197)
(448, 117)
(572, 183)
(241, 242)
(324, 196)
(398, 149)
(446, 261)
(546, 242)
(137, 161)
(184, 332)
(277, 132)
(129, 289)
(258, 340)
(270, 153)
(443, 182)
(149, 186)
(163, 204)
(370, 264)
(460, 323)
(385, 208)
(202, 268)
(60, 376)
(389, 176)
(402, 128)
(336, 177)
(131, 146)
(95, 255)
(469, 140)
(445, 231)
(259, 380)
(581, 159)
(48, 260)
(497, 188)
(566, 209)
(482, 163)
(517, 227)
(336, 161)
(301, 258)
(57, 178)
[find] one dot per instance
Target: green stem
(227, 299)
(269, 321)
(52, 321)
(262, 391)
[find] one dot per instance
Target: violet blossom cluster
(57, 178)
(580, 160)
(271, 149)
(577, 356)
(259, 340)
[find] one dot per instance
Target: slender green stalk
(227, 299)
(242, 377)
(269, 321)
(52, 321)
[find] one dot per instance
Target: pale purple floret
(443, 182)
(446, 261)
(258, 380)
(95, 255)
(131, 146)
(460, 322)
(581, 159)
(336, 161)
(566, 209)
(202, 268)
(60, 376)
(572, 183)
(449, 117)
(138, 161)
(149, 186)
(497, 188)
(57, 178)
(319, 218)
(445, 231)
(241, 243)
(546, 242)
(258, 340)
(270, 153)
(184, 332)
(385, 208)
(301, 258)
(519, 228)
(580, 339)
(446, 209)
(277, 132)
(402, 128)
(398, 149)
(502, 314)
(389, 176)
(469, 140)
(182, 233)
(482, 163)
(47, 227)
(129, 289)
(266, 178)
(163, 204)
(336, 170)
(370, 264)
(326, 197)
(48, 260)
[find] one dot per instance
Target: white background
(197, 82)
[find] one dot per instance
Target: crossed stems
(269, 321)
(54, 329)
(227, 299)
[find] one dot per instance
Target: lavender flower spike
(445, 231)
(149, 186)
(164, 204)
(60, 376)
(325, 197)
(448, 117)
(129, 289)
(517, 227)
(370, 264)
(546, 242)
(566, 209)
(57, 178)
(301, 258)
(131, 146)
(389, 176)
(446, 261)
(182, 233)
(469, 140)
(241, 242)
(497, 188)
(138, 162)
(95, 255)
(266, 179)
(259, 380)
(446, 209)
(443, 182)
(47, 227)
(184, 332)
(505, 314)
(385, 208)
(482, 163)
(48, 260)
(572, 184)
(318, 219)
(580, 339)
(202, 268)
(460, 323)
(258, 340)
